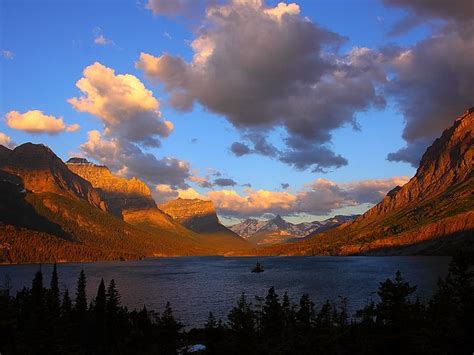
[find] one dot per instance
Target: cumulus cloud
(317, 198)
(433, 80)
(126, 108)
(265, 67)
(35, 121)
(6, 141)
(129, 160)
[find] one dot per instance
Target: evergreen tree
(66, 305)
(113, 299)
(81, 297)
(394, 300)
(272, 315)
(53, 293)
(170, 330)
(101, 299)
(37, 289)
(305, 313)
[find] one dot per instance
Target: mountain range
(277, 230)
(80, 211)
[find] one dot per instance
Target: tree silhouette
(81, 297)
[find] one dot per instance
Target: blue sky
(51, 42)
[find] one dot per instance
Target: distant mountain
(277, 230)
(432, 214)
(119, 193)
(200, 216)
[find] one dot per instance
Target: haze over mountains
(79, 211)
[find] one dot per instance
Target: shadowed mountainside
(415, 218)
(200, 216)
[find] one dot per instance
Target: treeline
(41, 320)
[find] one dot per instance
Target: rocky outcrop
(119, 193)
(40, 170)
(195, 214)
(447, 162)
(200, 217)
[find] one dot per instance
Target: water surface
(197, 285)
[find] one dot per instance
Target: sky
(306, 109)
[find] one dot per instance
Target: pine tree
(101, 299)
(66, 305)
(81, 297)
(394, 300)
(37, 289)
(170, 330)
(305, 313)
(241, 317)
(53, 293)
(272, 315)
(113, 299)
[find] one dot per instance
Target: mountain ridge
(437, 202)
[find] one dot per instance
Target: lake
(197, 285)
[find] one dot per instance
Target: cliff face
(40, 170)
(119, 193)
(200, 216)
(447, 162)
(197, 215)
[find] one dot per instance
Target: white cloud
(35, 121)
(126, 108)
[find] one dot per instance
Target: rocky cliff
(197, 215)
(40, 170)
(200, 216)
(119, 193)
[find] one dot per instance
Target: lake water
(197, 285)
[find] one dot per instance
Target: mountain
(42, 171)
(200, 216)
(277, 230)
(119, 193)
(432, 214)
(48, 213)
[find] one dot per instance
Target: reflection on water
(197, 285)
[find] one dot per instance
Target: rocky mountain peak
(447, 162)
(119, 193)
(42, 171)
